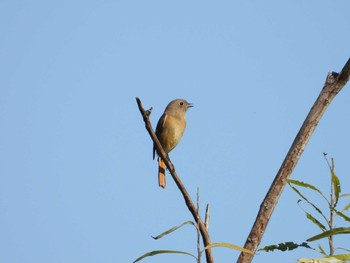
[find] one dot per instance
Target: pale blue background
(77, 179)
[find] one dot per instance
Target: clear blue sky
(77, 179)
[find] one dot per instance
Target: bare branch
(185, 194)
(334, 83)
(207, 217)
(198, 232)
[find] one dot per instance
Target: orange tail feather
(161, 173)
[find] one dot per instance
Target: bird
(169, 131)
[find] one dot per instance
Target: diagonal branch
(190, 205)
(334, 83)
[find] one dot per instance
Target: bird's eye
(181, 103)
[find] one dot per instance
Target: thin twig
(198, 232)
(207, 217)
(331, 210)
(334, 83)
(189, 203)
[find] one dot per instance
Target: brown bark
(334, 83)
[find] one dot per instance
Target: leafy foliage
(197, 258)
(284, 246)
(326, 224)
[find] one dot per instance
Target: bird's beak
(190, 105)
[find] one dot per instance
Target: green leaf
(336, 186)
(334, 231)
(342, 215)
(344, 195)
(345, 207)
(306, 185)
(302, 184)
(284, 246)
(310, 203)
(228, 245)
(173, 229)
(316, 222)
(157, 252)
(322, 250)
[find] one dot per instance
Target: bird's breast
(172, 132)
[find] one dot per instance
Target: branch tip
(344, 75)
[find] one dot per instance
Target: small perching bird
(169, 131)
